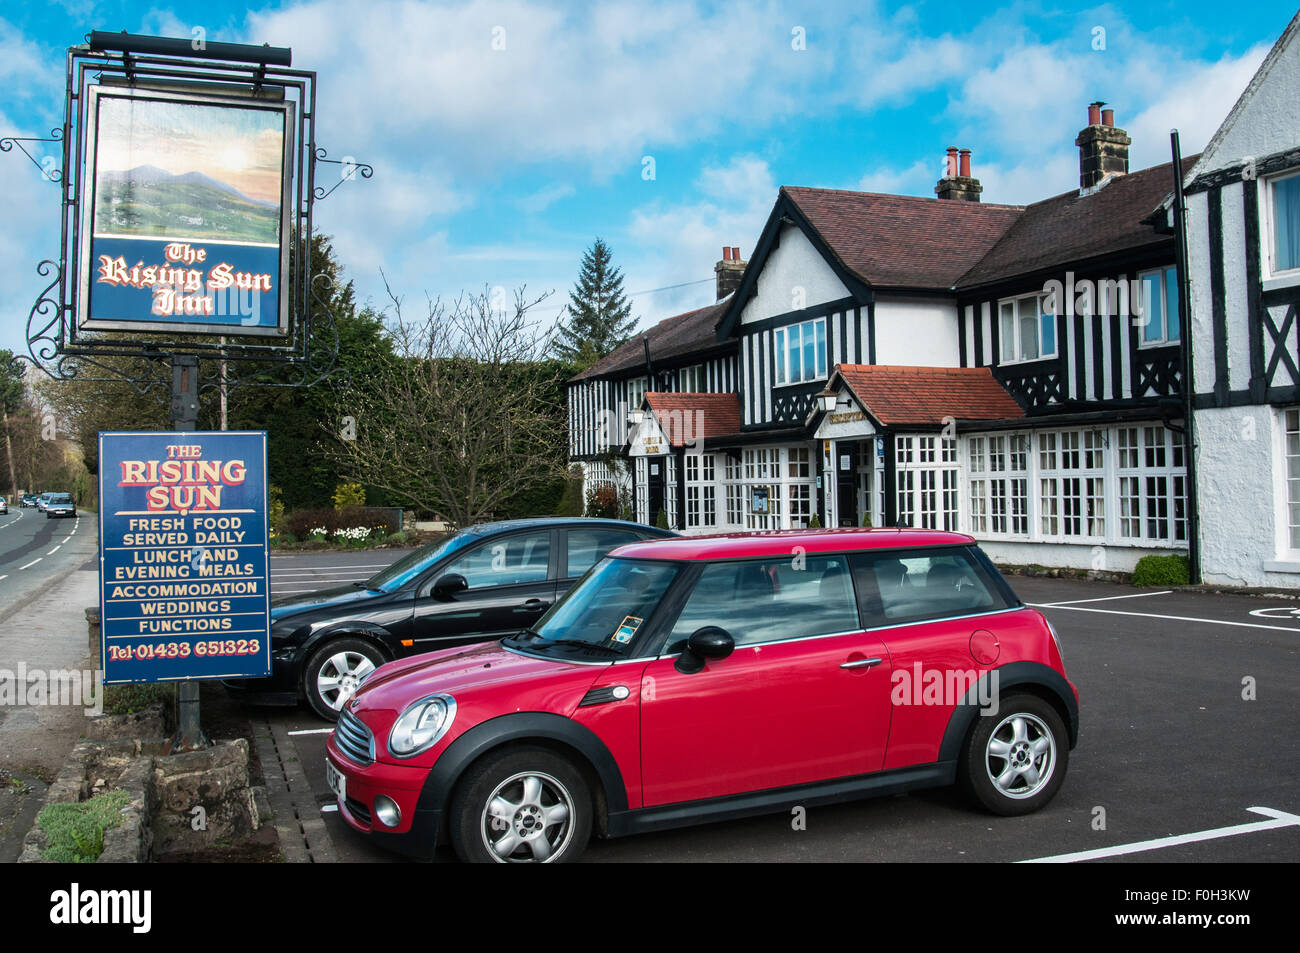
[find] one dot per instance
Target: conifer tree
(599, 315)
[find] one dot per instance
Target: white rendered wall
(1241, 494)
(923, 332)
(794, 277)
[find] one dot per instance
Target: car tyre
(521, 805)
(1014, 761)
(335, 671)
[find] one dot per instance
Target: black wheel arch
(535, 728)
(1033, 678)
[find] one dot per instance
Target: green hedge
(1162, 571)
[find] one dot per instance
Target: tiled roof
(1071, 227)
(926, 395)
(904, 240)
(687, 418)
(680, 334)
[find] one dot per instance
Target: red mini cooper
(708, 678)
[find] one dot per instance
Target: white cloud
(685, 240)
(544, 198)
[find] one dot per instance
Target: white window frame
(1272, 276)
(1018, 350)
(1073, 459)
(691, 380)
(1140, 326)
(781, 353)
(927, 477)
(999, 465)
(1289, 499)
(1145, 455)
(701, 491)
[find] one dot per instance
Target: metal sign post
(188, 174)
(185, 417)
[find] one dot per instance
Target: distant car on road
(29, 499)
(4, 505)
(59, 505)
(475, 585)
(42, 500)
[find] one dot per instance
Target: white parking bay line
(32, 563)
(54, 550)
(310, 731)
(1154, 615)
(1279, 819)
(328, 808)
(66, 538)
(1135, 595)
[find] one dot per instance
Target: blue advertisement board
(185, 212)
(183, 537)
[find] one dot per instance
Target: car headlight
(421, 725)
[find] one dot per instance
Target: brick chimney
(729, 271)
(957, 182)
(1103, 148)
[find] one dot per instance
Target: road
(1187, 703)
(35, 551)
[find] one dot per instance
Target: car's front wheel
(335, 672)
(1014, 760)
(521, 805)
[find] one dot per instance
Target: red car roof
(782, 543)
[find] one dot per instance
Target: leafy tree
(599, 313)
(13, 393)
(464, 421)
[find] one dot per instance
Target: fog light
(386, 809)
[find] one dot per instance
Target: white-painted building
(1243, 230)
(1011, 372)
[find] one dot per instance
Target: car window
(899, 589)
(585, 546)
(611, 603)
(770, 600)
(506, 561)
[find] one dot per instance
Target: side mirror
(710, 643)
(447, 586)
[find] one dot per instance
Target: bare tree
(466, 415)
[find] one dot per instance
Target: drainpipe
(1185, 350)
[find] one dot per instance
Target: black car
(478, 584)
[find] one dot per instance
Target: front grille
(359, 811)
(354, 739)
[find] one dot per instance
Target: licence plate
(334, 778)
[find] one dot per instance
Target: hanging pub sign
(185, 212)
(183, 556)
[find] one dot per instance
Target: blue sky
(499, 166)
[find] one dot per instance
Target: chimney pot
(951, 166)
(729, 271)
(965, 163)
(1103, 147)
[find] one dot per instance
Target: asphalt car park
(1187, 703)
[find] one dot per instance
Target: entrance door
(655, 487)
(846, 481)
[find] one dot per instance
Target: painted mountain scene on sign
(185, 171)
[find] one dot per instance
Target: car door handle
(533, 605)
(862, 663)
